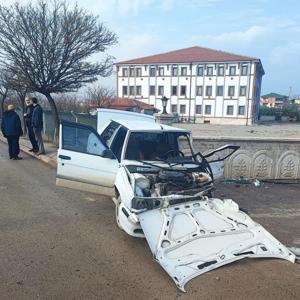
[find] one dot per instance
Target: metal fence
(49, 128)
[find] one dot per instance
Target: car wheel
(118, 203)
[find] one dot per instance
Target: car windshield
(153, 146)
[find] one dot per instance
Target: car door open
(216, 158)
(84, 161)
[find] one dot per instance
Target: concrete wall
(257, 158)
(224, 121)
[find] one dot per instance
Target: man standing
(37, 124)
(28, 122)
(12, 130)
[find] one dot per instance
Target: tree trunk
(2, 100)
(22, 99)
(54, 115)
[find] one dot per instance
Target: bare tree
(67, 103)
(47, 45)
(4, 89)
(99, 96)
(13, 87)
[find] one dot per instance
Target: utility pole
(290, 92)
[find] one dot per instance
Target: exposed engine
(168, 182)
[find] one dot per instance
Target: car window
(109, 131)
(81, 139)
(118, 142)
(152, 145)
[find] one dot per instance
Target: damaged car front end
(163, 191)
(188, 231)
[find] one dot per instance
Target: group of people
(12, 129)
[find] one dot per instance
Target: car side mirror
(107, 153)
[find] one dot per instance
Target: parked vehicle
(162, 189)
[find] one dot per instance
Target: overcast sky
(269, 30)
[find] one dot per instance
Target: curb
(44, 158)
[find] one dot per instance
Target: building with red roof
(202, 84)
(126, 104)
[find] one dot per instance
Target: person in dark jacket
(37, 124)
(28, 122)
(12, 130)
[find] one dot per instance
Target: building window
(152, 71)
(124, 72)
(220, 90)
(229, 110)
(131, 72)
(182, 108)
(220, 70)
(241, 110)
(208, 109)
(174, 90)
(244, 70)
(124, 90)
(161, 71)
(199, 109)
(209, 71)
(138, 72)
(242, 90)
(152, 90)
(174, 108)
(131, 90)
(232, 70)
(160, 90)
(174, 71)
(183, 90)
(199, 71)
(183, 71)
(199, 90)
(208, 91)
(138, 90)
(231, 91)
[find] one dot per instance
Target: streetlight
(164, 100)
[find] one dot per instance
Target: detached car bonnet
(195, 237)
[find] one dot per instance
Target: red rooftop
(189, 55)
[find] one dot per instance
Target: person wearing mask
(28, 122)
(37, 124)
(12, 130)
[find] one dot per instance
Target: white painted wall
(191, 81)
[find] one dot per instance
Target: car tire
(118, 203)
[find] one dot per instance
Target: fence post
(74, 116)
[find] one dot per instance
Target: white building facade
(203, 85)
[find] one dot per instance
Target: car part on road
(192, 238)
(296, 251)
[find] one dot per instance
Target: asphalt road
(62, 244)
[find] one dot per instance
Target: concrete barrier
(262, 158)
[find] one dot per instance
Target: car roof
(138, 125)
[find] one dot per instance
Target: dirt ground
(63, 244)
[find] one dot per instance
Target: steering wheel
(173, 151)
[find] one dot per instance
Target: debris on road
(256, 183)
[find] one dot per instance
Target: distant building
(273, 100)
(297, 100)
(124, 104)
(203, 84)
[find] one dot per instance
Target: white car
(162, 191)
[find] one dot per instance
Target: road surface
(62, 244)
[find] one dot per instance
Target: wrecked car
(163, 191)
